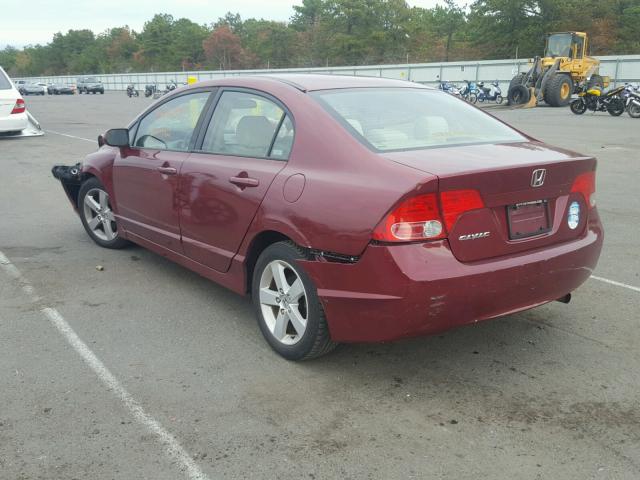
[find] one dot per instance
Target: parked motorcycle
(449, 88)
(469, 91)
(632, 102)
(492, 93)
(171, 85)
(594, 99)
(150, 89)
(131, 91)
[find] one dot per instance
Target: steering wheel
(143, 140)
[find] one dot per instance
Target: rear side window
(249, 125)
(392, 119)
(171, 125)
(5, 83)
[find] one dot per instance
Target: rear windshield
(391, 119)
(5, 84)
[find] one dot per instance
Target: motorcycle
(490, 94)
(633, 102)
(469, 91)
(131, 91)
(150, 89)
(594, 99)
(171, 85)
(449, 88)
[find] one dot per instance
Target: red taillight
(19, 106)
(456, 202)
(419, 218)
(585, 183)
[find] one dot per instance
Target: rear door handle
(167, 170)
(244, 181)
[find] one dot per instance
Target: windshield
(5, 84)
(91, 80)
(388, 119)
(559, 45)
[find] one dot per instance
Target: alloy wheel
(283, 302)
(99, 216)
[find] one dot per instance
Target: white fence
(621, 69)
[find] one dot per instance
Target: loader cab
(566, 44)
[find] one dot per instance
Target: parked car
(50, 88)
(34, 89)
(351, 209)
(20, 85)
(13, 112)
(90, 85)
(61, 89)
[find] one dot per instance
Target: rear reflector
(19, 107)
(419, 218)
(585, 183)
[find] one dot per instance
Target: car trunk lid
(525, 188)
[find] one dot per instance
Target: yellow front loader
(563, 70)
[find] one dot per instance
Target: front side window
(245, 124)
(388, 119)
(171, 125)
(559, 45)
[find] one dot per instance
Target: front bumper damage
(71, 178)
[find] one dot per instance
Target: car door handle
(244, 181)
(167, 170)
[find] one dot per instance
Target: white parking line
(72, 136)
(617, 284)
(173, 449)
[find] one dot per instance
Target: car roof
(311, 82)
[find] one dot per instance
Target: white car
(13, 112)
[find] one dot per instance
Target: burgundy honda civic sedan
(351, 209)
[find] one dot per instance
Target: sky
(43, 18)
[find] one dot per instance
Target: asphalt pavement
(152, 372)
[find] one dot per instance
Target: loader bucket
(33, 129)
(533, 101)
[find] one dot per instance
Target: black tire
(634, 110)
(518, 95)
(79, 91)
(499, 99)
(558, 90)
(616, 107)
(316, 340)
(596, 81)
(578, 106)
(517, 80)
(89, 185)
(472, 98)
(101, 92)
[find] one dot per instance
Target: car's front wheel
(286, 302)
(97, 215)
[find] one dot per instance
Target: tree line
(335, 32)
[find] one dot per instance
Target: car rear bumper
(14, 122)
(417, 289)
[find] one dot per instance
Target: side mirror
(117, 137)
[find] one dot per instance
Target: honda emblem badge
(538, 176)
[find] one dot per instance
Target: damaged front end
(71, 178)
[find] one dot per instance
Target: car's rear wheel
(286, 302)
(97, 215)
